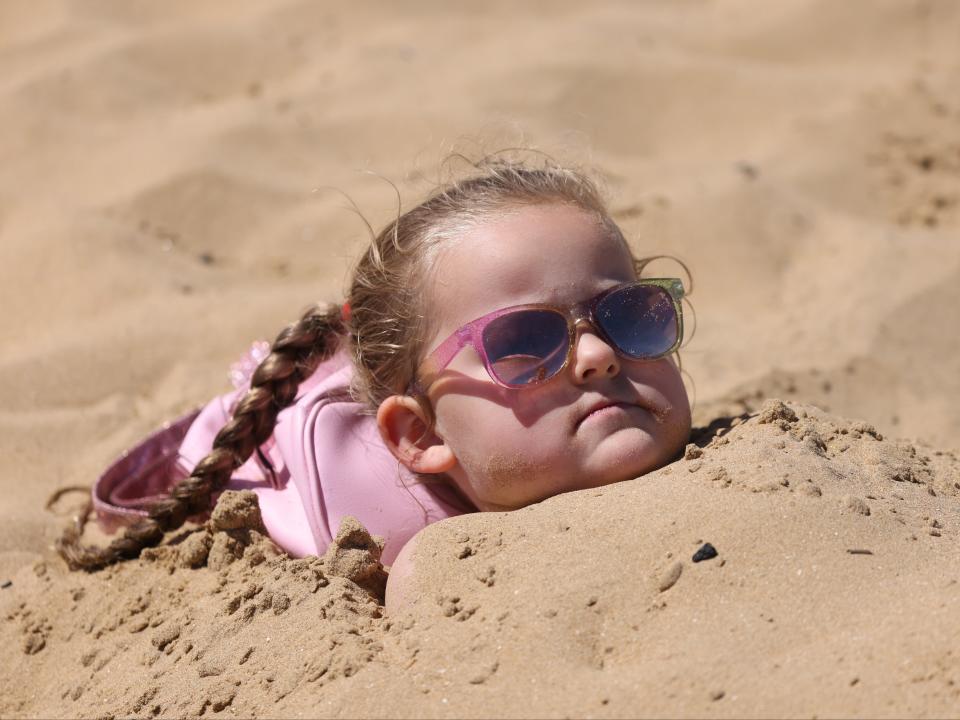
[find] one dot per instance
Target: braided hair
(293, 356)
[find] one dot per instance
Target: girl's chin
(515, 480)
(627, 454)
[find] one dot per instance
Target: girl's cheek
(495, 440)
(470, 428)
(537, 405)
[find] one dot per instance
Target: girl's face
(515, 447)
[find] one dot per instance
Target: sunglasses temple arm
(442, 356)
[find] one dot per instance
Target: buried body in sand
(834, 592)
(790, 563)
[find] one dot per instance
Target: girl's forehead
(556, 254)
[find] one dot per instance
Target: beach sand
(170, 190)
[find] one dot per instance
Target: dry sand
(157, 165)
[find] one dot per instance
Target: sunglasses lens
(527, 346)
(641, 320)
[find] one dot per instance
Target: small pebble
(6, 584)
(706, 552)
(670, 576)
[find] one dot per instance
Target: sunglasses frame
(575, 315)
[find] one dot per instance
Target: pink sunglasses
(525, 345)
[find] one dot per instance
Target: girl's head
(513, 234)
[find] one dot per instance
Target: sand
(831, 589)
(165, 198)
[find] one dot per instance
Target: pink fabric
(325, 461)
(140, 476)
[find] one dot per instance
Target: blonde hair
(383, 330)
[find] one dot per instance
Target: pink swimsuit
(324, 461)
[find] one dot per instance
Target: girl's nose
(593, 358)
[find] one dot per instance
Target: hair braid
(293, 357)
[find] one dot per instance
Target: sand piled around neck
(834, 591)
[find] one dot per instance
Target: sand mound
(212, 611)
(792, 563)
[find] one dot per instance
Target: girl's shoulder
(332, 454)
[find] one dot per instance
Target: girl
(496, 348)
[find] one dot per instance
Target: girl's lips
(601, 407)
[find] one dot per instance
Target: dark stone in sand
(706, 552)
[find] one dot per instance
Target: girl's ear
(406, 431)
